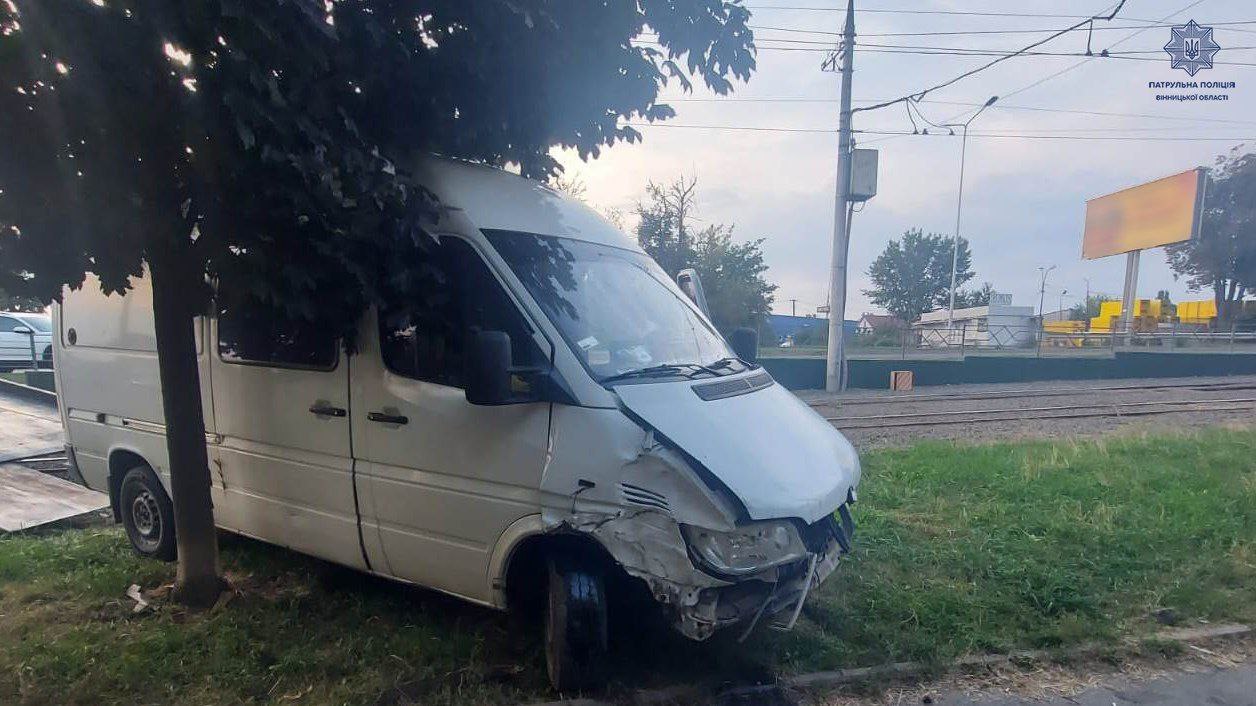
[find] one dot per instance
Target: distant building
(996, 325)
(879, 323)
(1061, 315)
(785, 327)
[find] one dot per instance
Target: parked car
(565, 420)
(20, 334)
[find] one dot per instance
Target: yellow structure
(1058, 332)
(1202, 312)
(1146, 316)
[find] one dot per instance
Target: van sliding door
(281, 405)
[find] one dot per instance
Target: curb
(899, 670)
(28, 392)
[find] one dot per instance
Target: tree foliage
(913, 274)
(267, 147)
(965, 298)
(1089, 309)
(9, 302)
(734, 275)
(1223, 258)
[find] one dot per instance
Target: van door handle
(326, 411)
(388, 418)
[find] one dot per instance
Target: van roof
(494, 199)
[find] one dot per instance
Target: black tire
(575, 628)
(147, 514)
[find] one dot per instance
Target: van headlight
(745, 550)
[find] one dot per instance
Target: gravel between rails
(1083, 395)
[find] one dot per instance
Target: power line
(906, 11)
(1119, 42)
(1231, 26)
(971, 134)
(997, 106)
(921, 94)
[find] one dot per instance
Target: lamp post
(1062, 293)
(959, 206)
(1042, 293)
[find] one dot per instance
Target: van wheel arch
(528, 567)
(121, 461)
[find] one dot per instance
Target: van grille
(637, 495)
(731, 388)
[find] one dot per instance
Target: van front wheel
(575, 628)
(147, 514)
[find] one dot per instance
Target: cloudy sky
(1024, 198)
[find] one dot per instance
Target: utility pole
(834, 380)
(959, 209)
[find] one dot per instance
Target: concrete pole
(1129, 295)
(959, 208)
(833, 379)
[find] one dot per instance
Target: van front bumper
(648, 545)
(778, 599)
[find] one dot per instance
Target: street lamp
(959, 205)
(1062, 293)
(1042, 287)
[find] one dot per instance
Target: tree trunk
(198, 583)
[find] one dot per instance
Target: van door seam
(353, 462)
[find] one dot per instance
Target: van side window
(424, 339)
(262, 338)
(7, 324)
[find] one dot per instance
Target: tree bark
(198, 582)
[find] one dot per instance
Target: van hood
(768, 447)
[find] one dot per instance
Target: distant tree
(734, 275)
(1223, 258)
(663, 228)
(9, 302)
(265, 145)
(1089, 309)
(1166, 304)
(966, 298)
(571, 186)
(913, 274)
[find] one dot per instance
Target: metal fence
(960, 341)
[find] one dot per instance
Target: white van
(565, 419)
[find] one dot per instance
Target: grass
(960, 549)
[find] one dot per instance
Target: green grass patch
(960, 549)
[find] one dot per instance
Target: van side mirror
(691, 285)
(487, 367)
(745, 343)
(22, 330)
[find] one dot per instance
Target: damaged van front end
(724, 526)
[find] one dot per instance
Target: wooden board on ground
(29, 498)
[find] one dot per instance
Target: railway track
(1030, 392)
(1025, 414)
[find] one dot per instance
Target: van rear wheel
(147, 514)
(575, 628)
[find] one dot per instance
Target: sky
(1024, 199)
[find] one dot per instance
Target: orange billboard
(1157, 213)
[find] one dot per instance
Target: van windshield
(617, 309)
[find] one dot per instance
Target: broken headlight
(745, 550)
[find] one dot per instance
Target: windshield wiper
(664, 369)
(726, 362)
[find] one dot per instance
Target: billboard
(1157, 213)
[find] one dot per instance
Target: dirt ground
(868, 417)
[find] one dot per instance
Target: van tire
(575, 627)
(147, 514)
